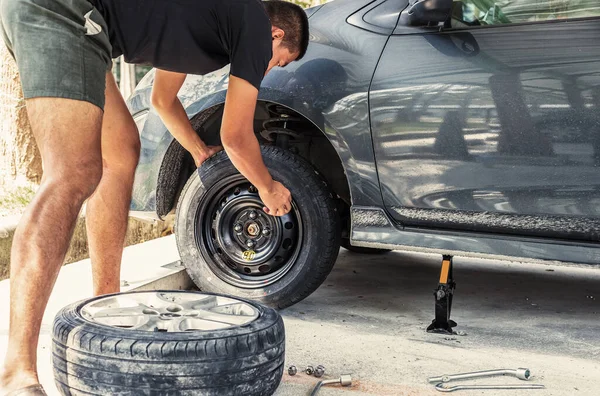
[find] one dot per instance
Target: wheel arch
(177, 164)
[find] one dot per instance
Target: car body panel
(440, 183)
(497, 120)
(374, 228)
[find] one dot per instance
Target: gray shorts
(61, 47)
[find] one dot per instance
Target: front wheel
(229, 245)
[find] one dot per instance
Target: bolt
(250, 243)
(253, 229)
(266, 232)
(238, 227)
(309, 370)
(319, 371)
(292, 370)
(253, 215)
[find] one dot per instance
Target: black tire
(314, 252)
(362, 250)
(95, 359)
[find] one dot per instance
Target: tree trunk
(20, 161)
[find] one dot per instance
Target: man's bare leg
(108, 208)
(68, 135)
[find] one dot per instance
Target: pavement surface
(369, 318)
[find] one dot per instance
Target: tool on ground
(319, 371)
(443, 300)
(310, 370)
(520, 373)
(292, 370)
(445, 388)
(344, 380)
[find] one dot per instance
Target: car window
(499, 12)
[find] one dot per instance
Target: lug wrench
(344, 380)
(445, 388)
(520, 373)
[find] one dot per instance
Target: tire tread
(93, 359)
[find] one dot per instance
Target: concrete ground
(368, 319)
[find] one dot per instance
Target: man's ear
(277, 33)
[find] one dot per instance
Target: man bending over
(88, 141)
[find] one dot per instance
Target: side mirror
(426, 12)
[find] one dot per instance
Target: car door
(491, 123)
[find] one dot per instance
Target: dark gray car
(469, 127)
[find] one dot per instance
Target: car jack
(443, 300)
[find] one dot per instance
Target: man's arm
(241, 145)
(171, 111)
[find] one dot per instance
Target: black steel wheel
(247, 247)
(228, 244)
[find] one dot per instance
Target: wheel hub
(247, 232)
(253, 229)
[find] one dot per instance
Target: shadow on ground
(542, 308)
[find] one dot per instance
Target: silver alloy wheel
(172, 312)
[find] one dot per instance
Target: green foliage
(307, 3)
(15, 201)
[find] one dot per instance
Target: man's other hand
(210, 151)
(277, 199)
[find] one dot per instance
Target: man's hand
(239, 140)
(277, 199)
(210, 151)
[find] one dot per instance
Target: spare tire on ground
(168, 343)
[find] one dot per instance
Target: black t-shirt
(191, 36)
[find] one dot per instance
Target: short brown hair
(292, 19)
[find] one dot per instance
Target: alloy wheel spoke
(150, 324)
(235, 308)
(223, 318)
(175, 325)
(119, 312)
(204, 303)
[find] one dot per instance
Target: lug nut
(310, 370)
(250, 243)
(292, 370)
(238, 228)
(266, 232)
(319, 371)
(253, 215)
